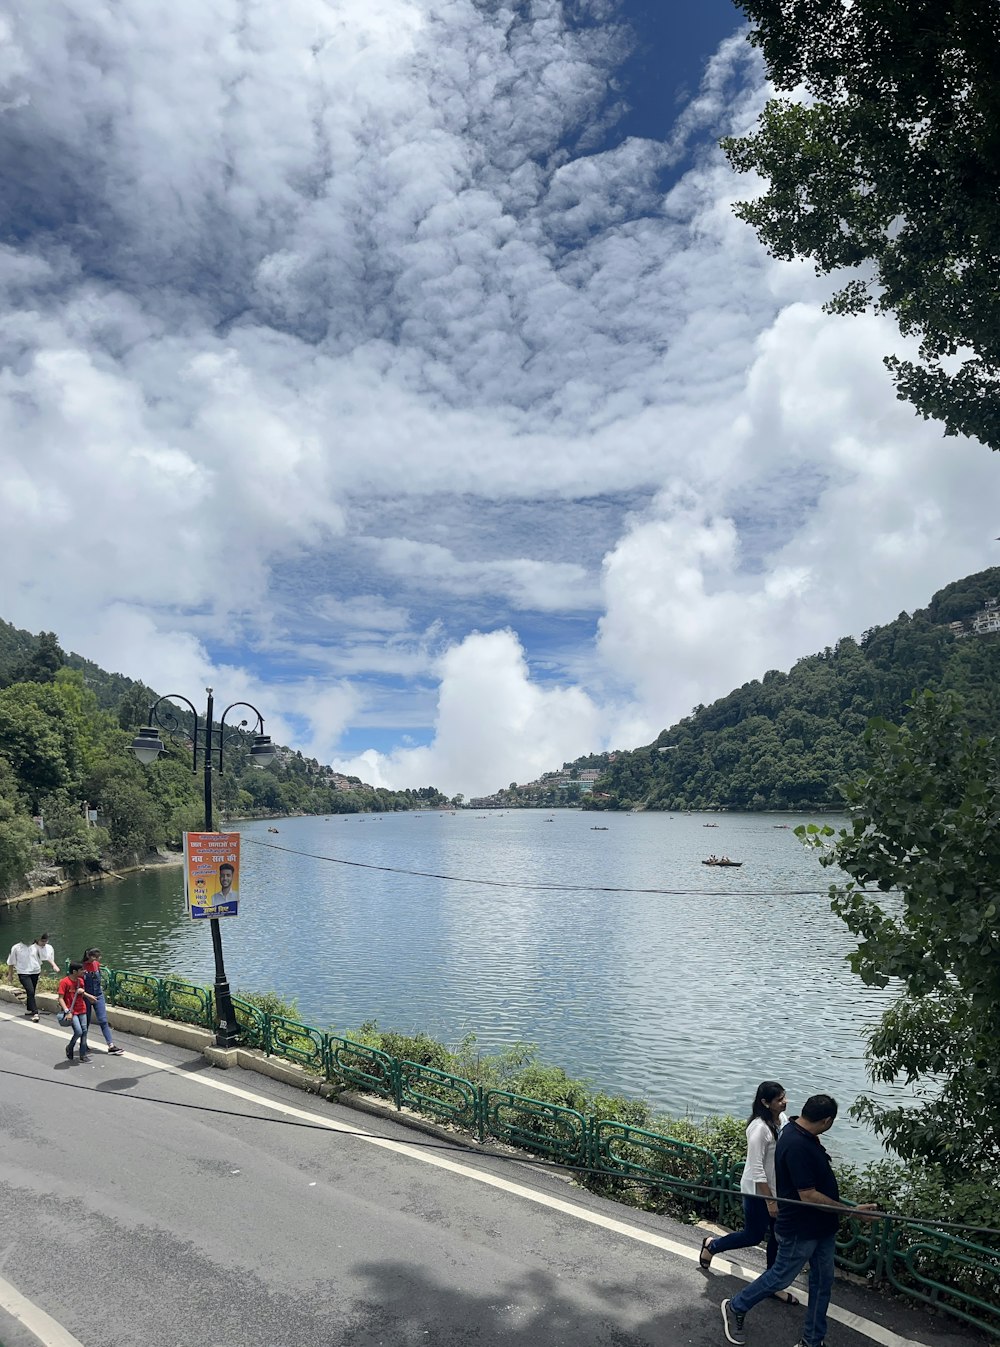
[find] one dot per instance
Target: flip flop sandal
(706, 1255)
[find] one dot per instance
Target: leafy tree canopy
(882, 158)
(924, 828)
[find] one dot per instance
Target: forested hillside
(65, 730)
(785, 741)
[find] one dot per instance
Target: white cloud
(874, 505)
(279, 266)
(493, 724)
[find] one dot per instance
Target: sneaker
(69, 1053)
(733, 1324)
(116, 1051)
(84, 1056)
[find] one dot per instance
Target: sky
(400, 367)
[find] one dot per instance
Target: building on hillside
(988, 619)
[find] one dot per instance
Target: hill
(557, 789)
(65, 730)
(786, 740)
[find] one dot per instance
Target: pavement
(152, 1199)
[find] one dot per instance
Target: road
(154, 1200)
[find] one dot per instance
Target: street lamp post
(146, 746)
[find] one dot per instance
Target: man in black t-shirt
(809, 1211)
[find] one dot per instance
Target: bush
(270, 1003)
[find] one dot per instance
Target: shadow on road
(406, 1307)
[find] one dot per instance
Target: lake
(686, 994)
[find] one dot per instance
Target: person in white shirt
(26, 961)
(757, 1185)
(46, 954)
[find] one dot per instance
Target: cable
(460, 1146)
(563, 888)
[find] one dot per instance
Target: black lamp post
(147, 745)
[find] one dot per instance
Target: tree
(135, 825)
(891, 165)
(133, 709)
(37, 737)
(18, 834)
(925, 827)
(42, 662)
(70, 841)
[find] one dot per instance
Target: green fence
(952, 1275)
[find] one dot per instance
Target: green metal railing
(533, 1125)
(952, 1275)
(635, 1153)
(368, 1069)
(453, 1099)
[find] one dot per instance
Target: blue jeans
(99, 1010)
(794, 1251)
(757, 1223)
(79, 1023)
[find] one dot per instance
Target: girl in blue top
(98, 1007)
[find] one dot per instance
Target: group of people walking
(81, 992)
(791, 1200)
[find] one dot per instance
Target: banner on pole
(212, 875)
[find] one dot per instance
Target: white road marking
(866, 1327)
(45, 1328)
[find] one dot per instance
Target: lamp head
(262, 751)
(147, 745)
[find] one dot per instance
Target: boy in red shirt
(73, 1000)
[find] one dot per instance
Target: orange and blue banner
(212, 875)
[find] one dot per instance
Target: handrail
(927, 1265)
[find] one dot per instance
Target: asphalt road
(153, 1200)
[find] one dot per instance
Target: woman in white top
(757, 1184)
(26, 961)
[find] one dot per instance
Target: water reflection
(686, 998)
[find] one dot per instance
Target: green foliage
(69, 841)
(943, 1194)
(19, 836)
(891, 165)
(788, 740)
(39, 663)
(36, 737)
(270, 1003)
(419, 1048)
(924, 826)
(960, 601)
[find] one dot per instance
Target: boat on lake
(723, 861)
